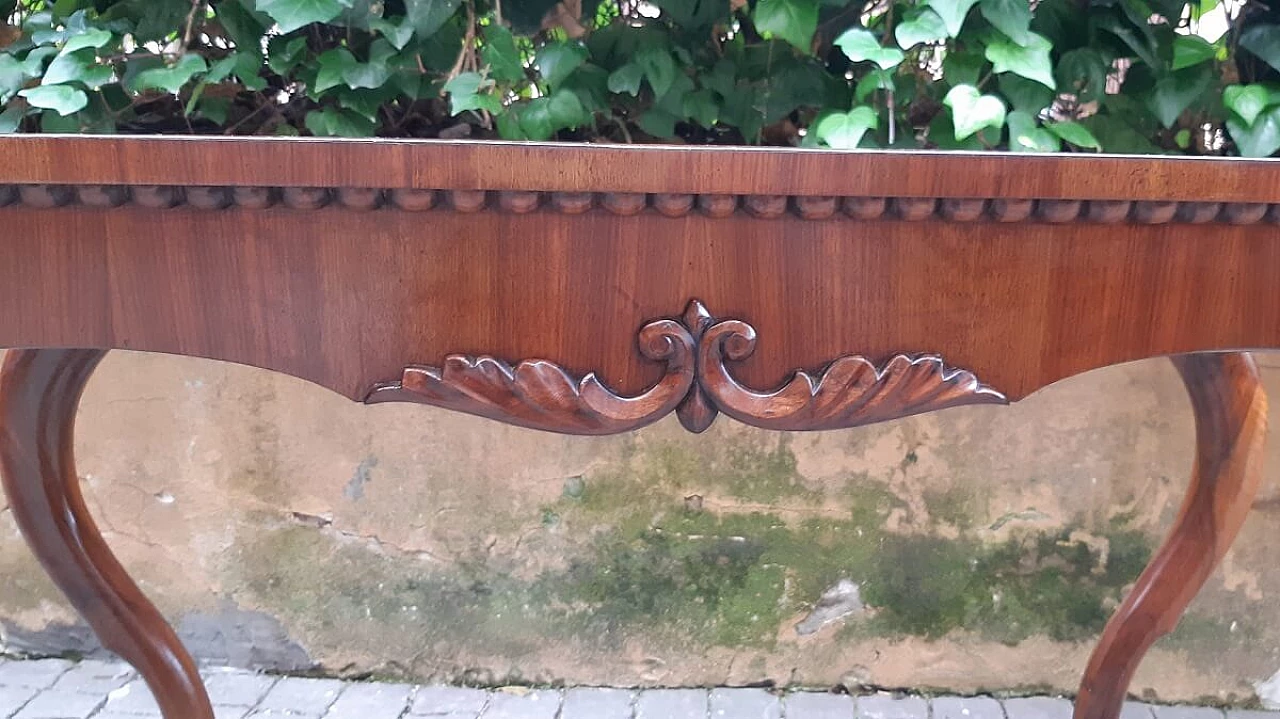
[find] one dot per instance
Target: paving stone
(95, 677)
(237, 688)
(884, 706)
(307, 698)
(540, 704)
(817, 705)
(132, 698)
(1139, 710)
(743, 704)
(434, 701)
(371, 701)
(968, 708)
(38, 673)
(672, 704)
(227, 712)
(1246, 714)
(61, 705)
(1038, 708)
(1185, 712)
(590, 703)
(14, 698)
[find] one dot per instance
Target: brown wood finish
(435, 271)
(39, 392)
(1231, 423)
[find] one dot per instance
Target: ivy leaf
(972, 111)
(94, 37)
(1011, 17)
(171, 79)
(1026, 136)
(428, 16)
(921, 25)
(626, 79)
(1247, 101)
(860, 45)
(1174, 92)
(470, 91)
(557, 60)
(398, 34)
(544, 116)
(844, 130)
(62, 99)
(284, 55)
(81, 66)
(792, 20)
(338, 122)
(702, 108)
(1262, 139)
(1191, 50)
(501, 54)
(372, 74)
(1030, 60)
(658, 67)
(952, 12)
(1263, 41)
(1074, 133)
(1023, 94)
(332, 64)
(12, 77)
(877, 79)
(11, 118)
(293, 14)
(1083, 71)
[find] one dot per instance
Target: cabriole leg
(39, 393)
(1231, 422)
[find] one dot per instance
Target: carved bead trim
(697, 385)
(908, 209)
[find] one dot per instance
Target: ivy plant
(1146, 76)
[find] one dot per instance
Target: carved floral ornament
(697, 386)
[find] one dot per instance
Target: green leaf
(471, 91)
(80, 67)
(372, 74)
(335, 122)
(1011, 17)
(428, 16)
(1083, 71)
(1136, 41)
(1023, 94)
(920, 25)
(877, 79)
(1263, 41)
(293, 14)
(542, 117)
(62, 99)
(10, 119)
(972, 111)
(963, 68)
(701, 106)
(284, 55)
(1026, 136)
(792, 20)
(952, 12)
(1262, 139)
(333, 65)
(844, 130)
(1030, 60)
(860, 45)
(501, 54)
(557, 60)
(95, 38)
(1176, 91)
(658, 122)
(1191, 50)
(398, 33)
(626, 79)
(12, 77)
(171, 79)
(1074, 133)
(1247, 101)
(659, 68)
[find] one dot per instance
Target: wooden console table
(594, 289)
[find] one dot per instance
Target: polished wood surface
(595, 289)
(39, 392)
(1231, 423)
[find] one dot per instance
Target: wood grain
(39, 392)
(1231, 423)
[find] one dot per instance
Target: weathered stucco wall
(283, 527)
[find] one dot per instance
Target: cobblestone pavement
(60, 689)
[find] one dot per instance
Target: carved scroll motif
(697, 385)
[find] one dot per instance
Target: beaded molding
(625, 204)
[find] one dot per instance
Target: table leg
(39, 393)
(1231, 423)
